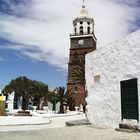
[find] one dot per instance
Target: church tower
(82, 41)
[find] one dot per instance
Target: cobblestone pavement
(69, 133)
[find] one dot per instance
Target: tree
(39, 91)
(61, 97)
(70, 99)
(22, 86)
(53, 98)
(58, 95)
(78, 74)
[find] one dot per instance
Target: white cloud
(113, 19)
(45, 26)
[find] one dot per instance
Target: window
(75, 30)
(88, 30)
(88, 23)
(75, 56)
(97, 78)
(81, 22)
(75, 88)
(81, 29)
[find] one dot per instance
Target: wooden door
(129, 99)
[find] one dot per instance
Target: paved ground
(69, 133)
(56, 122)
(58, 131)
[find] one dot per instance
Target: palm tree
(53, 98)
(8, 88)
(58, 95)
(62, 98)
(78, 74)
(69, 99)
(39, 91)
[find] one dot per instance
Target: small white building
(113, 83)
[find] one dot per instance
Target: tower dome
(83, 13)
(83, 23)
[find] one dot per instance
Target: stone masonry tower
(82, 41)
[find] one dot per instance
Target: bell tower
(82, 41)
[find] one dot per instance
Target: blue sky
(14, 65)
(34, 34)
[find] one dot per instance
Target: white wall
(105, 68)
(10, 102)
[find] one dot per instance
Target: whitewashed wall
(105, 68)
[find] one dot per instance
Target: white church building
(113, 83)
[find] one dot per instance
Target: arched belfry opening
(81, 30)
(88, 30)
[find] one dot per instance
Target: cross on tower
(83, 4)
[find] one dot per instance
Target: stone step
(23, 113)
(123, 127)
(78, 122)
(127, 130)
(128, 126)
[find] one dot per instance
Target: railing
(74, 34)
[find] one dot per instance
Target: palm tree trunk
(23, 102)
(41, 103)
(61, 107)
(54, 106)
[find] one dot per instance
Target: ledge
(78, 122)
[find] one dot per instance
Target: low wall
(15, 120)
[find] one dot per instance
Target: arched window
(76, 88)
(75, 30)
(88, 30)
(75, 56)
(81, 29)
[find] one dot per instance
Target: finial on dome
(83, 6)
